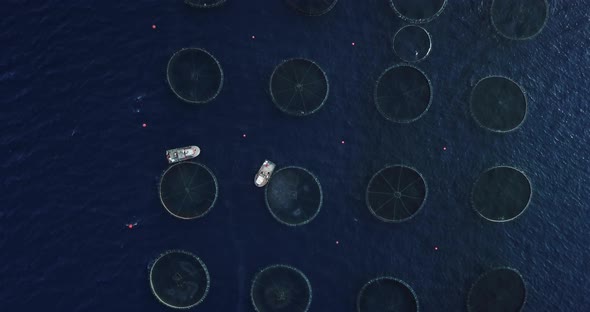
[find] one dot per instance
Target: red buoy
(144, 125)
(153, 26)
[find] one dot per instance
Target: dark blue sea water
(78, 79)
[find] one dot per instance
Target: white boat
(264, 173)
(182, 153)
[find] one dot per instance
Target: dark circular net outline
(396, 190)
(194, 75)
(412, 38)
(498, 104)
(418, 11)
(500, 290)
(200, 192)
(312, 7)
(519, 19)
(287, 196)
(403, 94)
(299, 87)
(181, 289)
(387, 294)
(281, 288)
(501, 194)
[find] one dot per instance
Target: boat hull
(264, 173)
(183, 153)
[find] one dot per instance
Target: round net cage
(203, 4)
(280, 288)
(418, 11)
(188, 190)
(194, 75)
(412, 43)
(299, 87)
(312, 7)
(501, 194)
(498, 104)
(500, 290)
(403, 94)
(293, 196)
(179, 279)
(519, 19)
(396, 193)
(386, 294)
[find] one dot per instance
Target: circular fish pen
(280, 288)
(396, 193)
(418, 11)
(412, 43)
(299, 87)
(386, 294)
(500, 290)
(519, 19)
(312, 7)
(204, 4)
(188, 190)
(501, 194)
(179, 279)
(498, 104)
(293, 196)
(194, 75)
(403, 94)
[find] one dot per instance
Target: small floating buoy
(154, 26)
(444, 148)
(253, 37)
(144, 125)
(342, 142)
(353, 44)
(244, 135)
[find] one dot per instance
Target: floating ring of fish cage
(281, 288)
(519, 19)
(498, 104)
(188, 190)
(386, 294)
(299, 87)
(396, 193)
(418, 11)
(501, 194)
(179, 279)
(403, 94)
(502, 290)
(194, 75)
(293, 196)
(412, 43)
